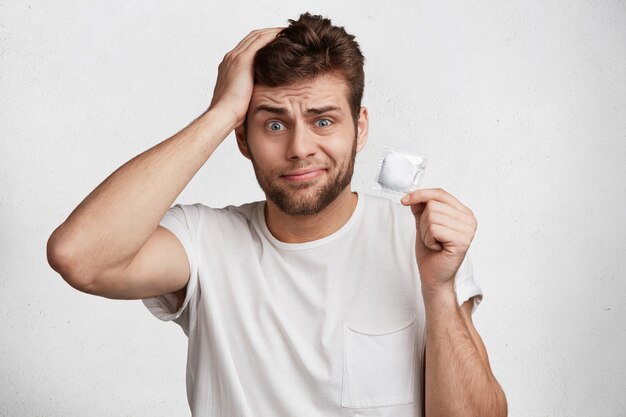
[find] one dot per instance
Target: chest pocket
(378, 368)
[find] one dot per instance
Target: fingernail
(406, 198)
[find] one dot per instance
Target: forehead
(321, 90)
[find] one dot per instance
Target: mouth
(304, 174)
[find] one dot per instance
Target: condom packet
(400, 171)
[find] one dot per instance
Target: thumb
(417, 210)
(424, 240)
(420, 247)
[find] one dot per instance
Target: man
(316, 302)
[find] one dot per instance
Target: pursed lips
(304, 174)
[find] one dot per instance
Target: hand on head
(235, 79)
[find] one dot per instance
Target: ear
(362, 128)
(240, 134)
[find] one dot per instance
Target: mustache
(305, 165)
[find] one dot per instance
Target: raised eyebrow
(270, 109)
(320, 110)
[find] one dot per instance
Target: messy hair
(308, 48)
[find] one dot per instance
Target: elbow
(500, 403)
(62, 258)
(505, 407)
(58, 254)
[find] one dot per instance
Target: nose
(301, 143)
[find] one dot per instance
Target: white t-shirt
(332, 327)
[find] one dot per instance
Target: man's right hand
(235, 78)
(112, 244)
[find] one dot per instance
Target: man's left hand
(445, 229)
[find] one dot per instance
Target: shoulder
(198, 215)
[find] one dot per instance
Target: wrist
(216, 124)
(226, 116)
(441, 295)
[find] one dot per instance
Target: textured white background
(520, 105)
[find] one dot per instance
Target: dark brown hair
(308, 48)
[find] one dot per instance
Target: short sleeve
(465, 285)
(182, 221)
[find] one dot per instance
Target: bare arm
(113, 223)
(459, 381)
(111, 243)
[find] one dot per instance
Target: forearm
(459, 381)
(112, 223)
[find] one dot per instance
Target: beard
(306, 199)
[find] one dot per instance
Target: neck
(301, 229)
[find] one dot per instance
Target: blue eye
(275, 126)
(323, 123)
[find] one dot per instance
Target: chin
(304, 202)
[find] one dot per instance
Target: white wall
(521, 107)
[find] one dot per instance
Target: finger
(426, 194)
(434, 206)
(256, 40)
(429, 240)
(418, 209)
(442, 219)
(260, 34)
(246, 40)
(444, 236)
(243, 49)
